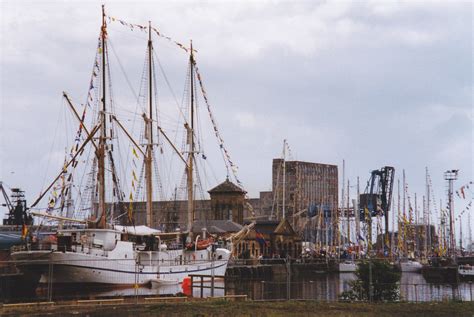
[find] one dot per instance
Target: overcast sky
(374, 83)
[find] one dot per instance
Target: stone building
(227, 202)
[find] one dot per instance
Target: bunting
(132, 188)
(467, 208)
(225, 152)
(62, 185)
(24, 231)
(95, 74)
(143, 28)
(461, 191)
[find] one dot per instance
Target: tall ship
(105, 246)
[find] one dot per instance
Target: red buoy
(186, 286)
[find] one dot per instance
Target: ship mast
(348, 217)
(283, 211)
(103, 132)
(149, 136)
(190, 131)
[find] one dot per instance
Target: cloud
(373, 83)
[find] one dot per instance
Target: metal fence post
(288, 278)
(50, 281)
(136, 282)
(470, 289)
(370, 280)
(416, 294)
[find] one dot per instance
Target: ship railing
(32, 247)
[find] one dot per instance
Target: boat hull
(411, 266)
(466, 273)
(71, 267)
(347, 267)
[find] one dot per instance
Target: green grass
(220, 308)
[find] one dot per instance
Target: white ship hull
(78, 268)
(410, 266)
(466, 271)
(123, 264)
(347, 267)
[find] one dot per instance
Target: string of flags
(143, 28)
(224, 150)
(95, 74)
(467, 208)
(460, 192)
(134, 181)
(54, 196)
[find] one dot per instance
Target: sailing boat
(101, 253)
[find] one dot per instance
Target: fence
(291, 284)
(317, 291)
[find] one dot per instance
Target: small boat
(410, 266)
(347, 267)
(466, 272)
(200, 245)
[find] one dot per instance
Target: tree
(377, 278)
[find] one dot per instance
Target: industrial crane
(17, 215)
(377, 198)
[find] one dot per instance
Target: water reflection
(322, 287)
(413, 287)
(328, 287)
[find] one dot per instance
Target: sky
(369, 82)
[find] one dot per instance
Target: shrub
(385, 280)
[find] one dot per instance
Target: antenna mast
(451, 176)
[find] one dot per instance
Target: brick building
(309, 188)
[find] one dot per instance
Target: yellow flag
(134, 152)
(134, 176)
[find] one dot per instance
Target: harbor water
(319, 287)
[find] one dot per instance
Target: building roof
(227, 187)
(137, 230)
(215, 226)
(303, 162)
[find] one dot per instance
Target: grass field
(253, 308)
